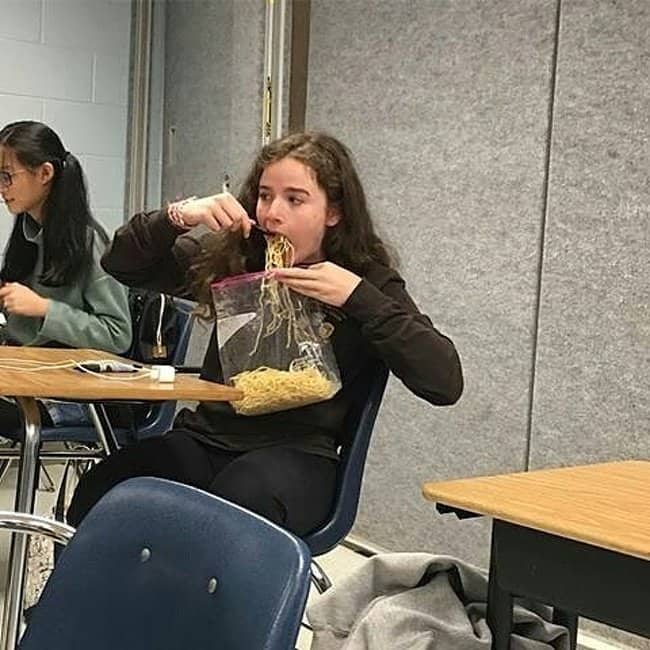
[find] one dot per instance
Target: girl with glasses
(53, 291)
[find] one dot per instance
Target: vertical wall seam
(93, 78)
(42, 30)
(228, 165)
(542, 237)
(299, 66)
(138, 111)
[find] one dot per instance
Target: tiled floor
(336, 564)
(44, 505)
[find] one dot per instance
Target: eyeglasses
(6, 178)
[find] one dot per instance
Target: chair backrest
(151, 419)
(159, 416)
(160, 565)
(354, 449)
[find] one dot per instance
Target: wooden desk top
(67, 383)
(606, 505)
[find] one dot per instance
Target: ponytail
(68, 226)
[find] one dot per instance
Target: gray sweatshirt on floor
(418, 601)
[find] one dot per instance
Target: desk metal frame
(575, 578)
(25, 492)
(28, 470)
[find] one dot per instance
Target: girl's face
(291, 203)
(23, 189)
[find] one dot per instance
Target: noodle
(279, 252)
(275, 298)
(267, 390)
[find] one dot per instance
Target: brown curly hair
(351, 243)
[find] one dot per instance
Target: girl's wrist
(45, 308)
(175, 213)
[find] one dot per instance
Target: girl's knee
(249, 492)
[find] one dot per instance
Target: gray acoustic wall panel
(214, 58)
(445, 105)
(198, 66)
(592, 381)
(246, 87)
(214, 61)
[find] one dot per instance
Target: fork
(225, 188)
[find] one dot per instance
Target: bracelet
(175, 213)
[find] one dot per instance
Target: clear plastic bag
(273, 345)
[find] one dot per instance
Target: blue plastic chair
(157, 420)
(160, 565)
(160, 415)
(354, 449)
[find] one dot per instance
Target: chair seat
(84, 434)
(81, 434)
(359, 426)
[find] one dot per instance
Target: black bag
(154, 342)
(155, 334)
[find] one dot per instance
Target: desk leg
(499, 605)
(25, 495)
(570, 621)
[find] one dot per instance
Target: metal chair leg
(46, 479)
(321, 581)
(319, 578)
(5, 465)
(104, 429)
(26, 524)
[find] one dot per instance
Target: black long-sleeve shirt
(379, 320)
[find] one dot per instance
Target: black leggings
(290, 487)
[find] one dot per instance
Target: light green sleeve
(104, 323)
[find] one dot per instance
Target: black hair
(68, 225)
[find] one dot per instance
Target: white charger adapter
(163, 374)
